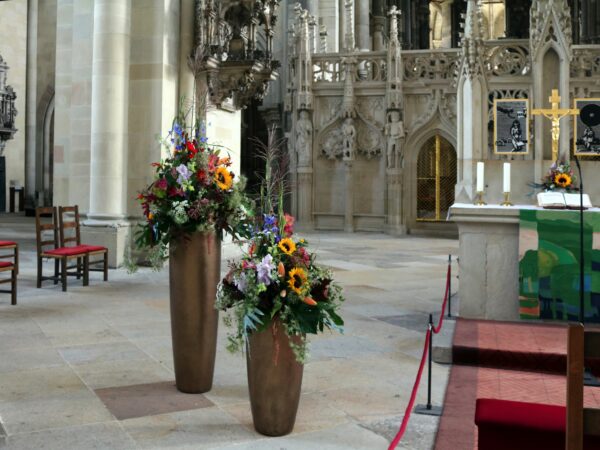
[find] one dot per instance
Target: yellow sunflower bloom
(297, 280)
(563, 180)
(287, 246)
(223, 178)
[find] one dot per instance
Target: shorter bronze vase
(274, 380)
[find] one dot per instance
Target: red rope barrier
(437, 329)
(413, 395)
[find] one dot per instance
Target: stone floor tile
(341, 437)
(197, 429)
(101, 353)
(122, 373)
(101, 436)
(29, 358)
(315, 412)
(53, 412)
(142, 400)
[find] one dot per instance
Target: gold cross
(555, 114)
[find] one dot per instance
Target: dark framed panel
(511, 126)
(586, 132)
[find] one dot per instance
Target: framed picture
(511, 126)
(586, 135)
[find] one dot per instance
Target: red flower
(140, 197)
(191, 148)
(161, 184)
(288, 228)
(174, 192)
(201, 176)
(213, 162)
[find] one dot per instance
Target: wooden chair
(14, 255)
(7, 266)
(583, 345)
(69, 220)
(60, 255)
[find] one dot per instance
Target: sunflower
(223, 178)
(563, 180)
(287, 246)
(297, 280)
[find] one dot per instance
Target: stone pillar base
(109, 234)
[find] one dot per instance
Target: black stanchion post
(450, 286)
(429, 409)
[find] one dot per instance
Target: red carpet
(516, 345)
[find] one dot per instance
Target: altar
(514, 265)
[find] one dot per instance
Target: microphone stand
(588, 378)
(581, 252)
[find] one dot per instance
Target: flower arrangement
(560, 175)
(277, 277)
(193, 190)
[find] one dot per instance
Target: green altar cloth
(549, 265)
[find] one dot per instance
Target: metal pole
(449, 286)
(581, 252)
(429, 357)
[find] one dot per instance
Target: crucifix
(555, 114)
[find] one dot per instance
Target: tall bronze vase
(194, 272)
(274, 381)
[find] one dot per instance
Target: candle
(506, 177)
(480, 177)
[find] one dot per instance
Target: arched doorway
(436, 179)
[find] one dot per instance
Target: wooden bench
(504, 424)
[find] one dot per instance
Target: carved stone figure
(349, 139)
(304, 131)
(394, 130)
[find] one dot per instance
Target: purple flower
(264, 269)
(184, 174)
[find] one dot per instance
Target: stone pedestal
(394, 202)
(112, 235)
(304, 180)
(489, 260)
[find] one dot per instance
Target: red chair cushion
(93, 248)
(4, 264)
(7, 243)
(68, 251)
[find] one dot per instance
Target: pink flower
(288, 228)
(161, 184)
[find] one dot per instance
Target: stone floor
(61, 353)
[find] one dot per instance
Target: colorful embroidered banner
(549, 265)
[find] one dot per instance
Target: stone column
(110, 94)
(186, 47)
(446, 41)
(31, 102)
(362, 25)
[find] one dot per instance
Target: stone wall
(13, 48)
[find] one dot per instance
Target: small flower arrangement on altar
(560, 175)
(277, 281)
(193, 190)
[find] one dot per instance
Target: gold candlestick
(479, 201)
(506, 201)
